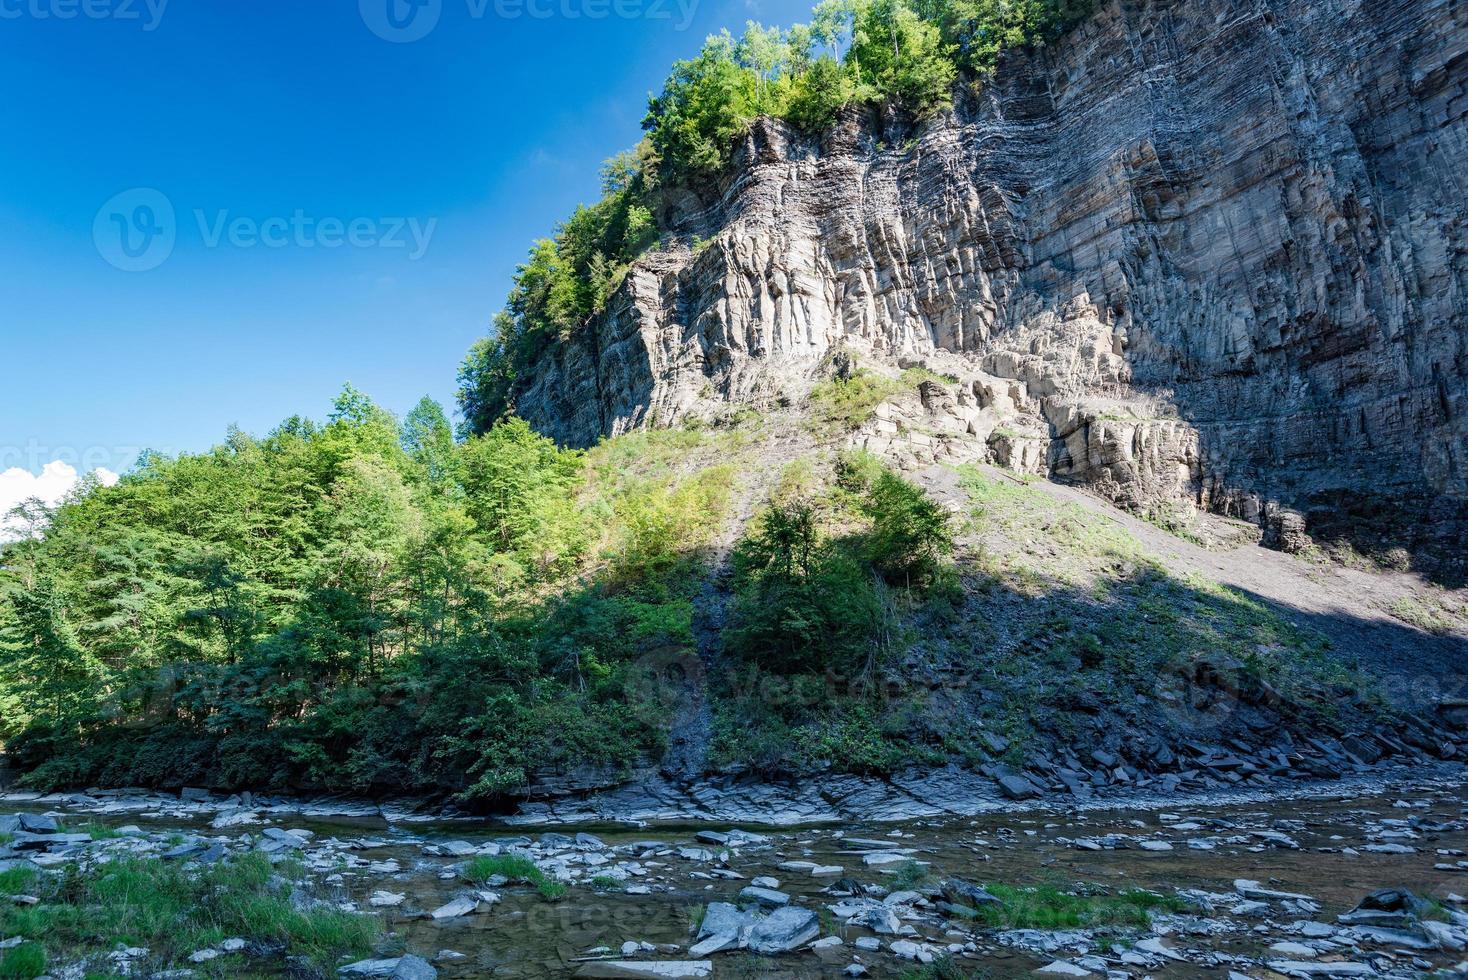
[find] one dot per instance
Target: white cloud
(56, 480)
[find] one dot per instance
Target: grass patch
(100, 831)
(944, 968)
(605, 883)
(1428, 614)
(172, 911)
(1048, 907)
(910, 874)
(24, 962)
(16, 881)
(514, 868)
(843, 404)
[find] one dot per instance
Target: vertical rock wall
(1208, 251)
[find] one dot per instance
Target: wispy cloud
(55, 481)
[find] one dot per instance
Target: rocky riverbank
(1363, 882)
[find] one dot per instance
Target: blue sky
(272, 130)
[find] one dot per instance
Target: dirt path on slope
(1348, 605)
(691, 729)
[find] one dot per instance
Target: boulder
(765, 896)
(961, 892)
(36, 823)
(783, 930)
(412, 967)
(1017, 787)
(722, 918)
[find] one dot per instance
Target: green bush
(805, 603)
(911, 533)
(843, 404)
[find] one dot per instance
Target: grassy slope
(1057, 626)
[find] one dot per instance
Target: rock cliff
(1198, 253)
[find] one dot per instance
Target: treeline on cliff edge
(906, 54)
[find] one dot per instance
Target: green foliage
(843, 404)
(514, 868)
(910, 535)
(23, 962)
(1049, 907)
(173, 911)
(944, 968)
(359, 605)
(810, 601)
(816, 621)
(806, 602)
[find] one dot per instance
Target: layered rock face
(1212, 252)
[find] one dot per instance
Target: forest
(370, 604)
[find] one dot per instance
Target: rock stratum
(1197, 253)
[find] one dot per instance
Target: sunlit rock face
(1201, 251)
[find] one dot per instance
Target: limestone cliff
(1210, 252)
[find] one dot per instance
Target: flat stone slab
(631, 970)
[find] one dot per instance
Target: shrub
(910, 533)
(843, 404)
(804, 603)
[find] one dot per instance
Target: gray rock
(458, 908)
(1257, 892)
(966, 893)
(1017, 787)
(1313, 968)
(370, 968)
(768, 897)
(722, 918)
(35, 823)
(783, 930)
(412, 967)
(632, 970)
